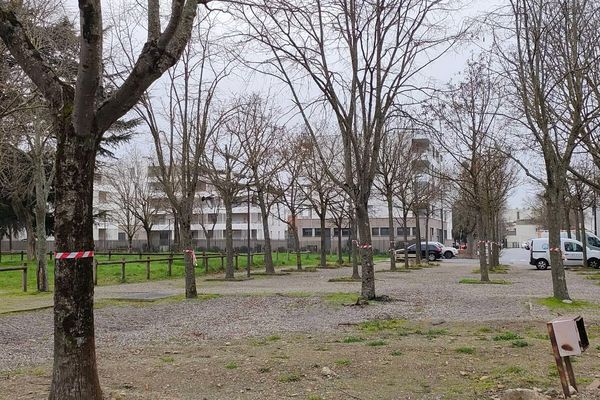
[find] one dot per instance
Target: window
(569, 246)
(578, 247)
(384, 231)
(414, 231)
(307, 232)
(122, 237)
(345, 232)
(317, 231)
(375, 231)
(103, 197)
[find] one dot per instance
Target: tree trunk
(554, 197)
(405, 221)
(30, 231)
(353, 244)
(75, 375)
(176, 232)
(185, 235)
(148, 231)
(567, 218)
(481, 236)
(577, 225)
(366, 251)
(10, 237)
(392, 237)
(129, 243)
(427, 236)
(417, 239)
(229, 270)
(297, 245)
(339, 244)
(470, 245)
(42, 244)
(583, 238)
(269, 268)
(323, 252)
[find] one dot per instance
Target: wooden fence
(23, 269)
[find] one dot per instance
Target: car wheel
(541, 264)
(431, 257)
(448, 254)
(594, 263)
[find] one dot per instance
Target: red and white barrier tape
(193, 254)
(74, 255)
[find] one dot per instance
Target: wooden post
(170, 265)
(95, 272)
(277, 257)
(236, 261)
(109, 254)
(148, 268)
(21, 255)
(140, 254)
(24, 278)
(122, 269)
(205, 262)
(222, 262)
(559, 361)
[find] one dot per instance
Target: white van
(593, 241)
(571, 249)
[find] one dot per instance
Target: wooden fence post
(148, 268)
(277, 259)
(95, 272)
(21, 255)
(140, 254)
(109, 254)
(24, 278)
(222, 262)
(236, 261)
(122, 269)
(170, 265)
(205, 262)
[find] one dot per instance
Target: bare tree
(291, 201)
(208, 216)
(82, 113)
(547, 70)
(361, 58)
(223, 165)
(255, 123)
(191, 118)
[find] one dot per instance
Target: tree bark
(481, 236)
(229, 270)
(392, 237)
(554, 197)
(42, 244)
(75, 375)
(427, 237)
(148, 231)
(417, 239)
(353, 246)
(583, 238)
(269, 268)
(366, 254)
(323, 252)
(297, 246)
(185, 235)
(405, 221)
(339, 244)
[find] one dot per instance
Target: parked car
(525, 245)
(434, 251)
(447, 251)
(571, 250)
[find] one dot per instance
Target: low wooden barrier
(23, 269)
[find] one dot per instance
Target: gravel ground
(278, 304)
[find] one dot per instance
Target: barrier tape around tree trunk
(362, 246)
(73, 255)
(193, 254)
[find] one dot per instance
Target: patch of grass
(508, 335)
(377, 343)
(499, 269)
(475, 281)
(343, 361)
(519, 343)
(273, 338)
(396, 353)
(167, 359)
(598, 347)
(378, 325)
(291, 377)
(231, 365)
(513, 369)
(344, 279)
(341, 298)
(485, 329)
(352, 339)
(465, 350)
(314, 397)
(435, 332)
(555, 304)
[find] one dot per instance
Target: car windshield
(411, 247)
(593, 241)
